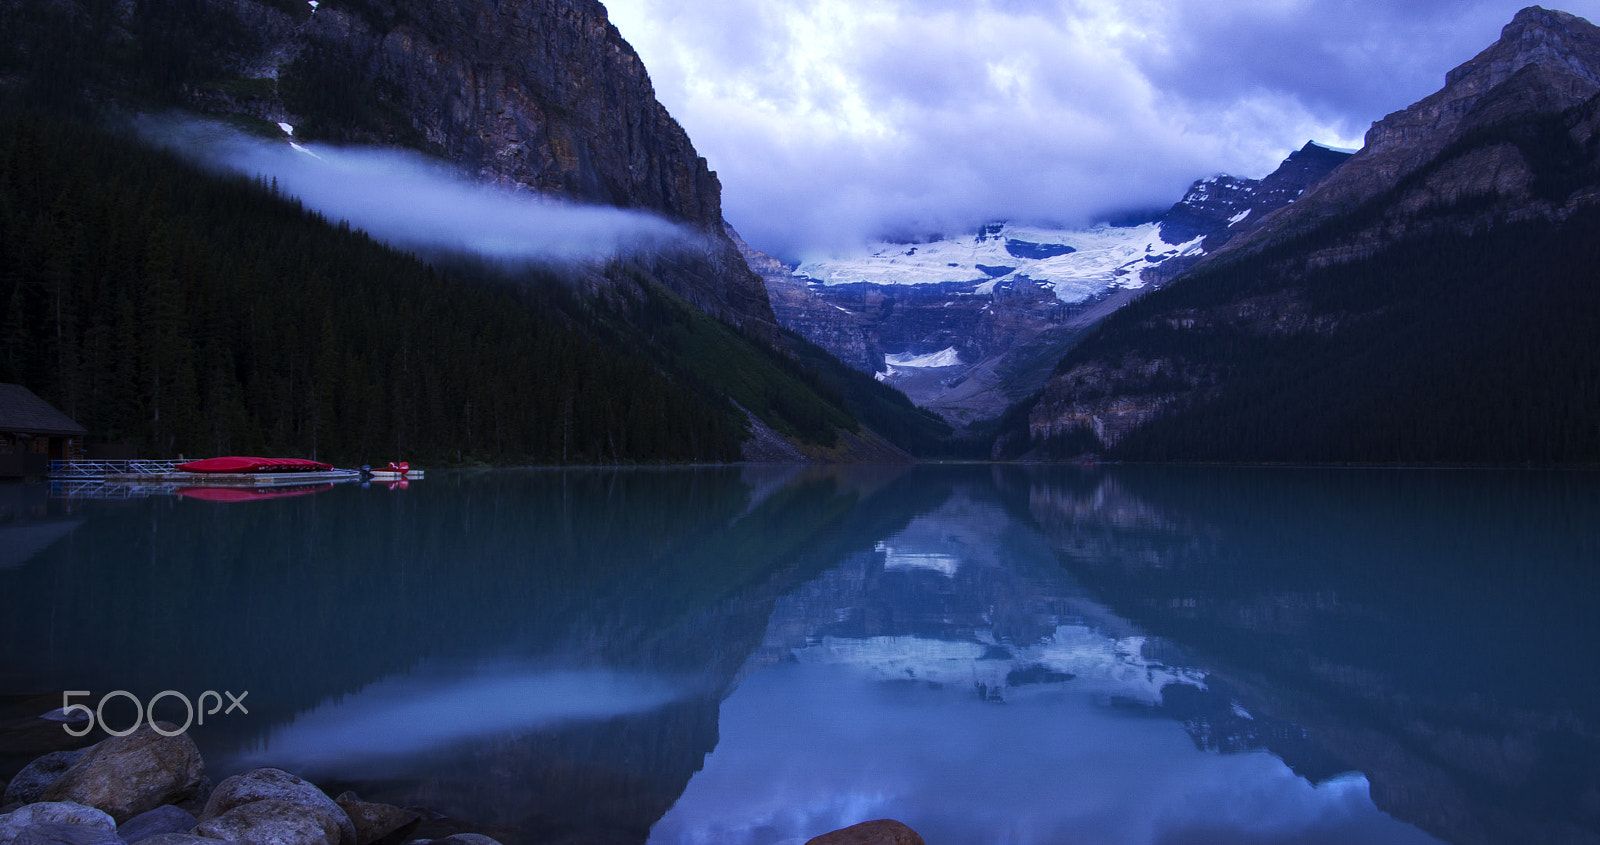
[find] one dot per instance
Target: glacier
(1075, 264)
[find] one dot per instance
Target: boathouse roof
(24, 413)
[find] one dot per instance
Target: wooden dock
(166, 473)
(243, 479)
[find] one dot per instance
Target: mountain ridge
(1560, 49)
(1459, 243)
(1009, 299)
(541, 96)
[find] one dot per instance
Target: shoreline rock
(376, 823)
(168, 818)
(132, 774)
(230, 808)
(137, 790)
(48, 817)
(29, 785)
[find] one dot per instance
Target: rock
(261, 785)
(129, 775)
(179, 839)
(273, 821)
(467, 839)
(57, 833)
(880, 832)
(163, 819)
(458, 839)
(195, 804)
(53, 814)
(30, 783)
(374, 821)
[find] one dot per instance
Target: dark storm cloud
(1357, 59)
(834, 121)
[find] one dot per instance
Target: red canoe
(244, 464)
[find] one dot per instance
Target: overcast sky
(834, 121)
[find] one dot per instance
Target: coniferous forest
(192, 314)
(1462, 343)
(1453, 349)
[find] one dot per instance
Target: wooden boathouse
(33, 433)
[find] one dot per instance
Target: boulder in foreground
(283, 791)
(129, 775)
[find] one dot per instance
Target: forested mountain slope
(162, 306)
(1435, 300)
(542, 95)
(185, 312)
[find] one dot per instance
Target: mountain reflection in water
(1110, 655)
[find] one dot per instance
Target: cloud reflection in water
(397, 724)
(821, 743)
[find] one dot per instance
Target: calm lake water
(989, 654)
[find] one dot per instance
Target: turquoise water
(990, 654)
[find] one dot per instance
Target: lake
(991, 654)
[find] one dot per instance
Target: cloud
(401, 722)
(1058, 766)
(833, 121)
(418, 203)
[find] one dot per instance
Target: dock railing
(87, 470)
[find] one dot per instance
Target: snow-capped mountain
(1072, 264)
(967, 324)
(1220, 208)
(1077, 264)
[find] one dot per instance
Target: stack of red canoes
(235, 463)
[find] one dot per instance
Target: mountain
(540, 97)
(968, 324)
(181, 312)
(1543, 65)
(1226, 207)
(1433, 300)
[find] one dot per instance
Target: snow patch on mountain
(1075, 264)
(943, 358)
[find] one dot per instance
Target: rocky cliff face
(800, 309)
(898, 332)
(1222, 208)
(1545, 62)
(540, 95)
(1560, 48)
(1510, 140)
(1207, 208)
(543, 95)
